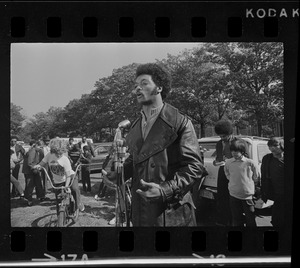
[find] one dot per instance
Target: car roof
(209, 139)
(217, 138)
(97, 144)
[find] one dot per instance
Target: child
(60, 167)
(86, 158)
(241, 184)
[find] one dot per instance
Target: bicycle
(67, 208)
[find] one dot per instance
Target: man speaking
(164, 160)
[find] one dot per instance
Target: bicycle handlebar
(62, 187)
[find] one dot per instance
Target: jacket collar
(161, 135)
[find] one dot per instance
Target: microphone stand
(122, 210)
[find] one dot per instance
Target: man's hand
(37, 167)
(112, 176)
(152, 191)
(217, 164)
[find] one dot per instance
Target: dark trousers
(44, 181)
(86, 180)
(102, 189)
(240, 207)
(74, 161)
(33, 181)
(222, 199)
(15, 173)
(278, 218)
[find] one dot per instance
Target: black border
(144, 14)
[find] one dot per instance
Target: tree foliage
(16, 119)
(216, 80)
(42, 125)
(239, 81)
(201, 88)
(257, 76)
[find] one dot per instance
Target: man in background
(74, 153)
(32, 176)
(224, 129)
(272, 179)
(83, 143)
(43, 150)
(86, 159)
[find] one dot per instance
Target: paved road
(206, 212)
(97, 213)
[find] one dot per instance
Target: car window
(262, 150)
(249, 150)
(209, 149)
(101, 150)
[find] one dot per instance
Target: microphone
(124, 124)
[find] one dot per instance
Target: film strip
(151, 22)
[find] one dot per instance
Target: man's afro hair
(159, 74)
(223, 127)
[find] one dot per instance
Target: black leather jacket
(170, 157)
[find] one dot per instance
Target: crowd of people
(164, 163)
(240, 181)
(60, 161)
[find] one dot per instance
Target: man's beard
(153, 93)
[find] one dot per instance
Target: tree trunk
(259, 125)
(202, 130)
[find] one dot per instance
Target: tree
(256, 71)
(16, 119)
(74, 116)
(55, 122)
(201, 88)
(46, 124)
(113, 99)
(109, 103)
(239, 81)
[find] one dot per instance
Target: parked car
(258, 148)
(76, 140)
(101, 151)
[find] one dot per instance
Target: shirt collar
(242, 159)
(153, 112)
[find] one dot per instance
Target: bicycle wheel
(62, 217)
(73, 211)
(75, 215)
(128, 209)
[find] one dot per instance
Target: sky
(53, 74)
